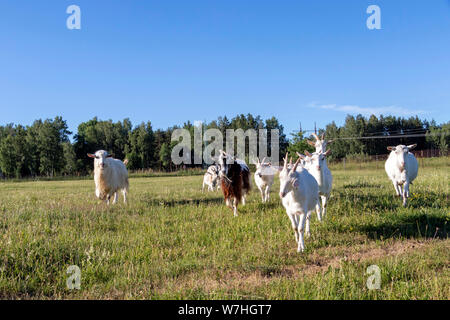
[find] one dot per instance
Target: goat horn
(296, 164)
(285, 160)
(311, 143)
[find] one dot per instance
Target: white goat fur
(110, 176)
(299, 193)
(264, 178)
(402, 168)
(211, 178)
(316, 164)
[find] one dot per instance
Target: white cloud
(367, 111)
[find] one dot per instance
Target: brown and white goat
(234, 177)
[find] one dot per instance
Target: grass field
(173, 242)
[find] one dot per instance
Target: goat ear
(412, 146)
(307, 153)
(90, 155)
(311, 143)
(295, 184)
(390, 148)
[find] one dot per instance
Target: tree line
(44, 148)
(370, 136)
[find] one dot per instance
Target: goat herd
(304, 186)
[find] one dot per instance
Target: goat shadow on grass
(180, 202)
(392, 202)
(361, 202)
(416, 226)
(270, 205)
(358, 185)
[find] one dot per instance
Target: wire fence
(377, 161)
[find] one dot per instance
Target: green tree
(298, 143)
(165, 156)
(439, 137)
(141, 147)
(70, 160)
(50, 136)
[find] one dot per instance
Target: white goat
(402, 168)
(211, 178)
(306, 161)
(264, 178)
(321, 143)
(110, 176)
(316, 164)
(214, 169)
(299, 193)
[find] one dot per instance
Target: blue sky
(173, 61)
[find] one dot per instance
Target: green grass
(173, 242)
